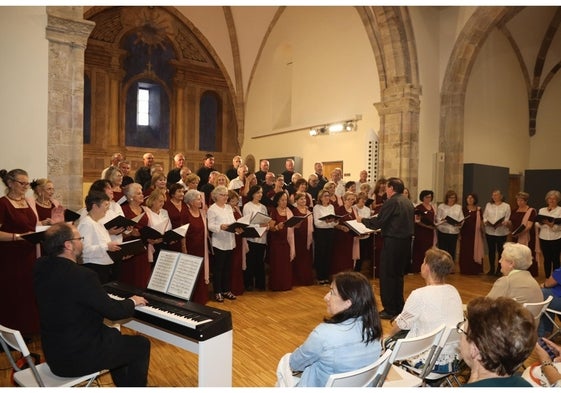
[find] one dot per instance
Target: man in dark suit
(396, 219)
(72, 306)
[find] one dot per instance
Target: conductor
(396, 220)
(72, 304)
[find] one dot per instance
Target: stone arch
(452, 96)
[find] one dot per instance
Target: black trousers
(104, 272)
(495, 244)
(323, 251)
(254, 275)
(395, 256)
(447, 242)
(221, 270)
(551, 250)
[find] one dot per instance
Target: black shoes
(229, 295)
(219, 298)
(386, 315)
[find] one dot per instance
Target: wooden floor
(266, 326)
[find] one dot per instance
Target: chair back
(537, 309)
(10, 338)
(406, 348)
(363, 377)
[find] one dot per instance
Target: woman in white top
(496, 218)
(158, 219)
(428, 307)
(324, 234)
(549, 232)
(447, 232)
(220, 215)
(254, 276)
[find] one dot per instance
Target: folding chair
(556, 327)
(367, 376)
(537, 309)
(404, 349)
(450, 336)
(36, 375)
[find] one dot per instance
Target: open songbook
(555, 220)
(495, 224)
(132, 247)
(453, 221)
(358, 227)
(424, 217)
(332, 217)
(295, 220)
(175, 274)
(169, 236)
(70, 215)
(122, 222)
(37, 236)
(251, 225)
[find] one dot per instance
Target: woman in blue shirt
(347, 340)
(551, 286)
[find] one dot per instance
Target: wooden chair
(36, 375)
(367, 376)
(404, 349)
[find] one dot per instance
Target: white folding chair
(36, 375)
(551, 314)
(450, 336)
(367, 376)
(404, 349)
(537, 309)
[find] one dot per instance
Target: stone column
(399, 133)
(67, 32)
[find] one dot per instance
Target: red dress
(177, 219)
(424, 237)
(136, 270)
(17, 260)
(467, 242)
(195, 238)
(280, 278)
(237, 285)
(343, 244)
(516, 218)
(302, 265)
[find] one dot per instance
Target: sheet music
(161, 276)
(185, 276)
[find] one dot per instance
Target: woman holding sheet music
(523, 230)
(302, 265)
(158, 219)
(281, 244)
(238, 257)
(425, 235)
(471, 237)
(177, 211)
(196, 243)
(550, 231)
(135, 270)
(347, 250)
(254, 276)
(447, 229)
(324, 234)
(220, 216)
(496, 219)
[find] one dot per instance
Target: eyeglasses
(22, 183)
(76, 238)
(459, 327)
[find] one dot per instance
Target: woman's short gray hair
(519, 254)
(190, 196)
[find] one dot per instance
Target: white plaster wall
(496, 109)
(23, 96)
(334, 77)
(545, 144)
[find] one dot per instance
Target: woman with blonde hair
(48, 209)
(550, 232)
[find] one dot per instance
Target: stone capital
(68, 26)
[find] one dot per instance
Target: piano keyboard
(177, 315)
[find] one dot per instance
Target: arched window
(209, 122)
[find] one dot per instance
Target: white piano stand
(214, 353)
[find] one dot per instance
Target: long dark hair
(355, 287)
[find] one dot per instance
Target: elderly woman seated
(517, 282)
(428, 307)
(497, 337)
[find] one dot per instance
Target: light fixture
(335, 128)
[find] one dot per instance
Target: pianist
(72, 305)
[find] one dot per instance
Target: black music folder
(541, 218)
(518, 230)
(122, 222)
(70, 216)
(175, 274)
(423, 215)
(358, 227)
(496, 223)
(453, 221)
(132, 247)
(332, 217)
(295, 220)
(36, 237)
(169, 236)
(253, 221)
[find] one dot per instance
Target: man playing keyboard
(72, 306)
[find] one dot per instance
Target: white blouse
(494, 212)
(454, 211)
(216, 216)
(547, 233)
(251, 208)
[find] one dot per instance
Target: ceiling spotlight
(313, 132)
(337, 127)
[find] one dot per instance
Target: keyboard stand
(215, 354)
